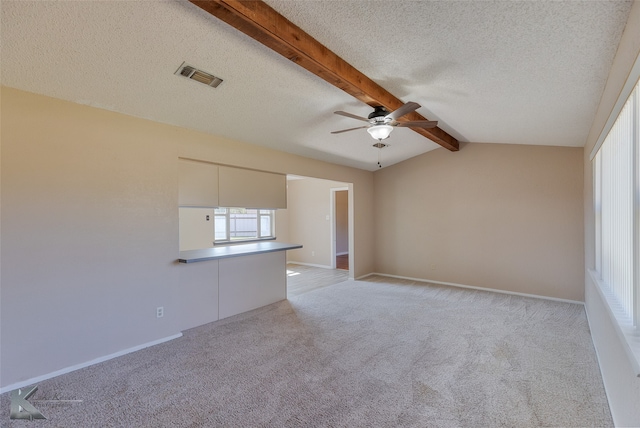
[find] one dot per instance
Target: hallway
(302, 279)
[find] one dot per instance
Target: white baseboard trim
(342, 254)
(494, 290)
(606, 390)
(310, 264)
(70, 369)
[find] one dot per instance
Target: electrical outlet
(159, 311)
(313, 253)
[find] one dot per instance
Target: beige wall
(282, 225)
(342, 221)
(621, 383)
(505, 217)
(90, 220)
(309, 214)
(195, 231)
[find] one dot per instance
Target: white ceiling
(526, 72)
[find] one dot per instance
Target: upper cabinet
(251, 189)
(205, 184)
(198, 184)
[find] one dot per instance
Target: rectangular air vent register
(187, 71)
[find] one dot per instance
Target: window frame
(626, 321)
(259, 214)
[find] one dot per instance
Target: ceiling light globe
(380, 132)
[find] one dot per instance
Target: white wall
(90, 220)
(621, 383)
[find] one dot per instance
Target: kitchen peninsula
(225, 251)
(246, 276)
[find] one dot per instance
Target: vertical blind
(617, 187)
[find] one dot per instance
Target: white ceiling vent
(190, 72)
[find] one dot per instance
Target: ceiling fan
(381, 121)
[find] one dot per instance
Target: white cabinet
(203, 184)
(198, 184)
(251, 189)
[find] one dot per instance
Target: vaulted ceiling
(527, 72)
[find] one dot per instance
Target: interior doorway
(340, 228)
(310, 220)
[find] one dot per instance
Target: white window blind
(614, 200)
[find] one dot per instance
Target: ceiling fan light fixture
(380, 132)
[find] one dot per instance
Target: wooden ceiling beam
(262, 23)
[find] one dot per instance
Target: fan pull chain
(380, 145)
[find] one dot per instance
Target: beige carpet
(356, 354)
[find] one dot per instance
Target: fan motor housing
(379, 111)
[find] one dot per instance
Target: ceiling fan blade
(419, 124)
(405, 109)
(350, 129)
(352, 116)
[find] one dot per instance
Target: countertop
(235, 250)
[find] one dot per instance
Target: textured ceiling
(528, 72)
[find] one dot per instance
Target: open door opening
(311, 219)
(340, 228)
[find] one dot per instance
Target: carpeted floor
(374, 353)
